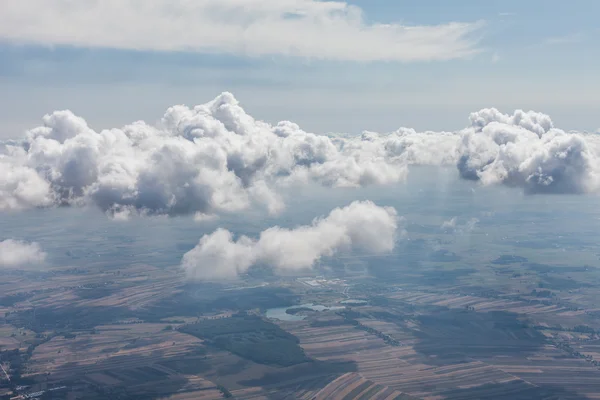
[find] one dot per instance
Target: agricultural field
(429, 350)
(353, 386)
(250, 337)
(143, 332)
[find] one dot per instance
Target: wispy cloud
(566, 39)
(306, 28)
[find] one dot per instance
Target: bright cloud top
(215, 158)
(526, 150)
(306, 28)
(361, 226)
(205, 160)
(15, 253)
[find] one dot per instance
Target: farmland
(481, 355)
(250, 337)
(511, 328)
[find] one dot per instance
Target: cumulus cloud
(21, 187)
(15, 253)
(525, 150)
(203, 161)
(215, 158)
(361, 226)
(329, 29)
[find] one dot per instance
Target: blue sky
(540, 55)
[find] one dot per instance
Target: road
(346, 292)
(5, 373)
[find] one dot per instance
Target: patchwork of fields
(146, 334)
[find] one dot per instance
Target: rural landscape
(299, 200)
(421, 324)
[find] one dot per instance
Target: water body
(280, 312)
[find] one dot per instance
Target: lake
(280, 312)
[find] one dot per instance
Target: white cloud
(361, 226)
(453, 226)
(449, 225)
(15, 253)
(306, 28)
(205, 160)
(526, 150)
(21, 187)
(215, 158)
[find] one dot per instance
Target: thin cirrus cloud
(215, 158)
(332, 30)
(361, 226)
(16, 253)
(566, 39)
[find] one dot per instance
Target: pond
(281, 314)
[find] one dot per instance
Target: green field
(250, 337)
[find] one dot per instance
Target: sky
(327, 66)
(211, 109)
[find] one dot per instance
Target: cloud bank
(361, 226)
(204, 160)
(215, 158)
(15, 253)
(331, 30)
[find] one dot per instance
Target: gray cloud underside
(216, 158)
(361, 226)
